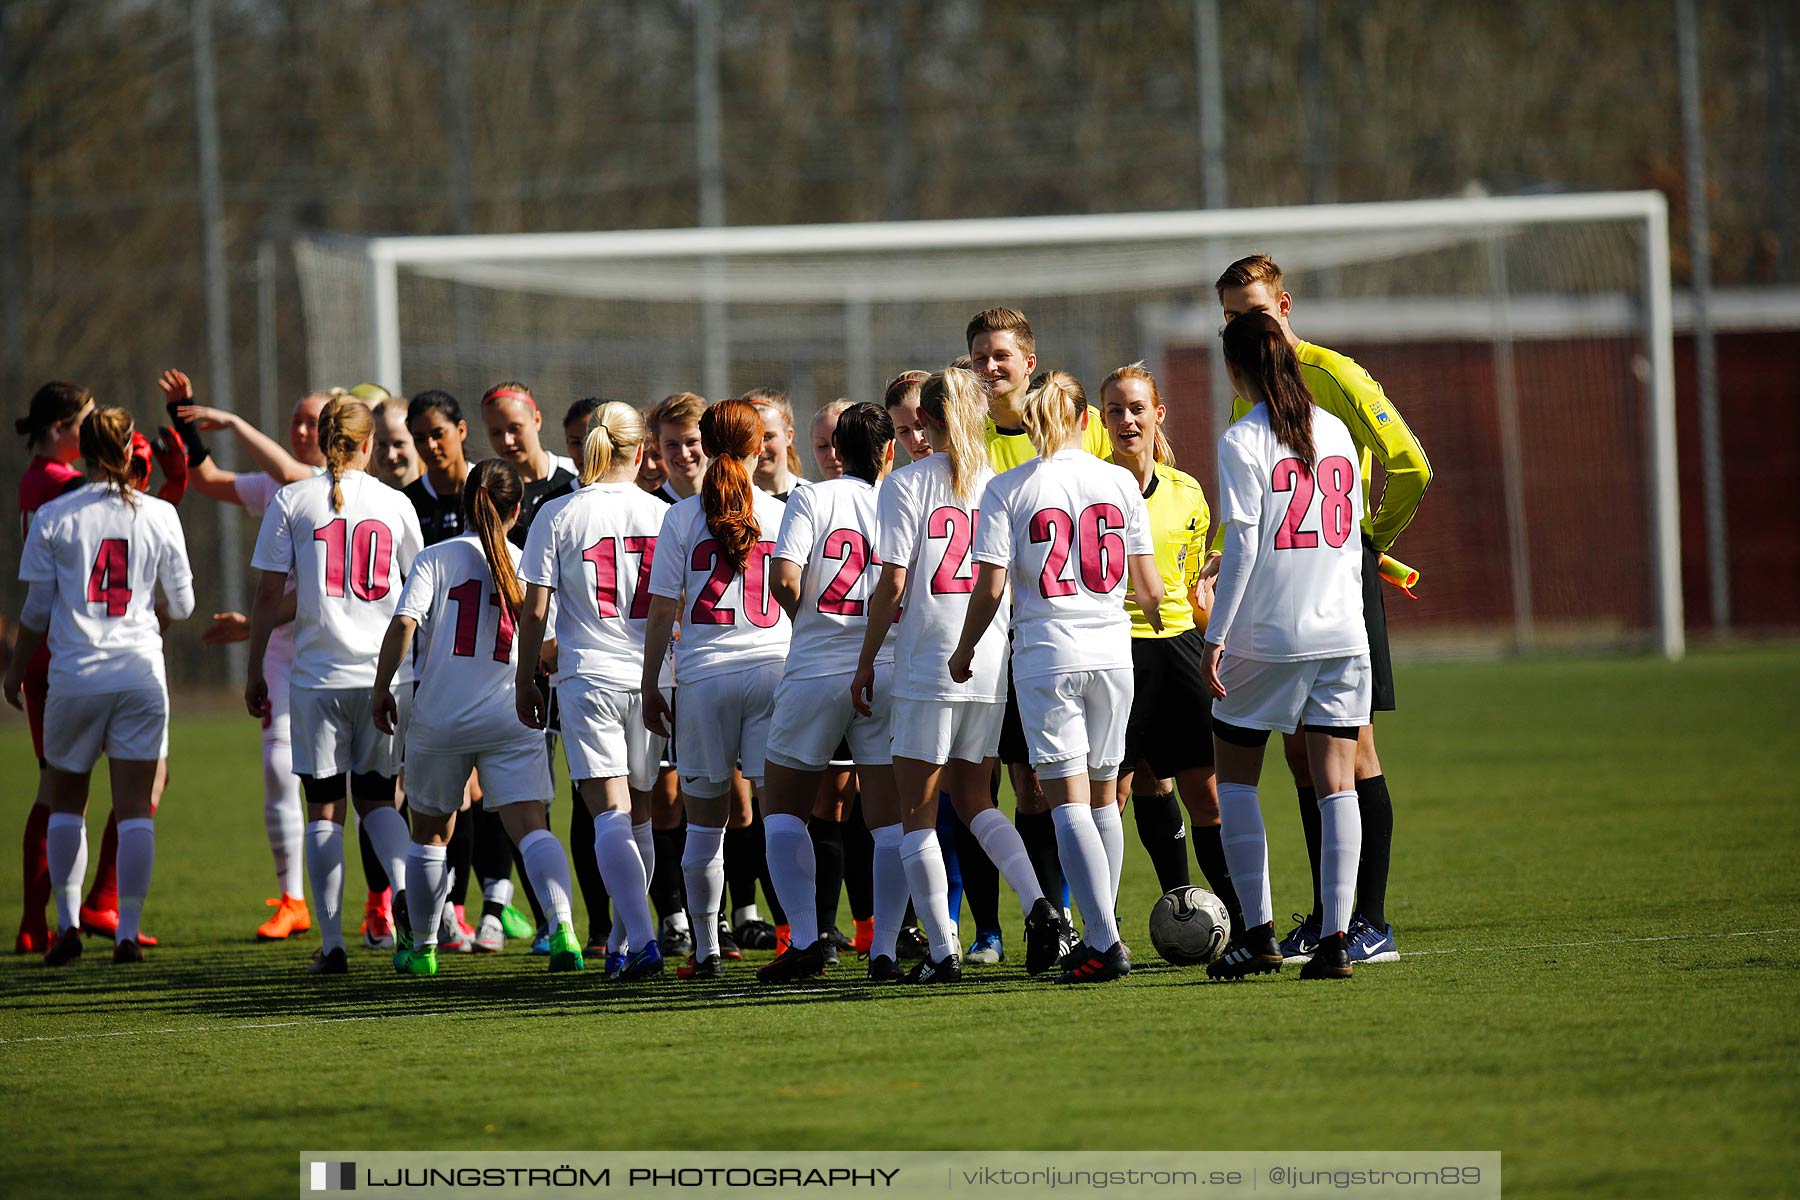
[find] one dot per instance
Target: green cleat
(422, 961)
(516, 923)
(565, 949)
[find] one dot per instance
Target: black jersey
(537, 491)
(440, 517)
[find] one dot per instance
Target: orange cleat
(864, 941)
(291, 917)
(104, 922)
(378, 921)
(781, 940)
(32, 941)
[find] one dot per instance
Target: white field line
(737, 994)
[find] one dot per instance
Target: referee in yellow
(1347, 392)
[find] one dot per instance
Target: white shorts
(334, 733)
(1282, 696)
(813, 716)
(509, 774)
(1075, 720)
(278, 669)
(129, 726)
(603, 733)
(936, 731)
(724, 724)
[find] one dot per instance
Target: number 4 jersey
(729, 619)
(348, 566)
(1297, 594)
(467, 655)
(1063, 528)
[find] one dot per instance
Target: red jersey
(44, 480)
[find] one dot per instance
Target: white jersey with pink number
(348, 566)
(829, 531)
(924, 527)
(105, 556)
(729, 619)
(1302, 596)
(595, 548)
(466, 651)
(1063, 528)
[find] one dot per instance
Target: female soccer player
(93, 560)
(396, 461)
(901, 399)
(1068, 530)
(1286, 645)
(945, 734)
(712, 570)
(824, 449)
(593, 551)
(824, 567)
(349, 540)
(1168, 739)
(512, 419)
(465, 594)
(778, 468)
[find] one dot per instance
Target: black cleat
(1043, 937)
(949, 970)
(1256, 953)
(755, 935)
(829, 950)
(794, 964)
(329, 962)
(1098, 966)
(676, 943)
(912, 943)
(1330, 959)
(834, 937)
(65, 949)
(128, 951)
(728, 947)
(704, 968)
(883, 969)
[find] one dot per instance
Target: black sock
(1313, 824)
(859, 864)
(828, 857)
(1209, 852)
(587, 871)
(667, 891)
(1038, 832)
(460, 857)
(373, 871)
(740, 865)
(980, 880)
(490, 853)
(1377, 812)
(1160, 828)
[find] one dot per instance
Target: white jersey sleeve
(1301, 598)
(729, 619)
(467, 651)
(255, 490)
(922, 525)
(829, 531)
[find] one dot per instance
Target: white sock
(622, 869)
(284, 817)
(1083, 857)
(930, 888)
(1001, 842)
(137, 855)
(747, 913)
(644, 838)
(548, 869)
(427, 884)
(703, 870)
(1340, 846)
(392, 842)
(794, 871)
(325, 871)
(1246, 847)
(65, 845)
(1112, 836)
(497, 891)
(890, 889)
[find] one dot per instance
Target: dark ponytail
(52, 404)
(106, 448)
(1268, 372)
(863, 434)
(730, 431)
(492, 490)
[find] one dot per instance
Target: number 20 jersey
(348, 566)
(729, 619)
(924, 527)
(1303, 597)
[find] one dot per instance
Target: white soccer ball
(1189, 926)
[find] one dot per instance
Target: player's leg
(1260, 697)
(859, 876)
(917, 781)
(787, 798)
(137, 747)
(1373, 939)
(284, 822)
(326, 811)
(527, 823)
(67, 854)
(34, 933)
(1198, 789)
(1031, 812)
(711, 740)
(668, 825)
(980, 877)
(825, 825)
(588, 877)
(1337, 708)
(1300, 940)
(1141, 781)
(746, 864)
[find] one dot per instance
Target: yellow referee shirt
(1346, 391)
(1178, 525)
(1009, 448)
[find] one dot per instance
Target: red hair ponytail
(730, 431)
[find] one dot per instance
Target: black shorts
(1170, 726)
(1381, 662)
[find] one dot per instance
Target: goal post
(1528, 339)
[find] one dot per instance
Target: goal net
(1526, 340)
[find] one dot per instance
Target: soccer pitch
(1594, 885)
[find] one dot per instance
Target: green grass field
(1596, 881)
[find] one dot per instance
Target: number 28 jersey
(729, 619)
(925, 528)
(348, 566)
(1063, 528)
(467, 651)
(1303, 596)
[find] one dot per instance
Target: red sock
(104, 896)
(37, 871)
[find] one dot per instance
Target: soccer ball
(1189, 926)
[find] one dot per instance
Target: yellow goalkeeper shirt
(1178, 525)
(1009, 448)
(1346, 391)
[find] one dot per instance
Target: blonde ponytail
(106, 448)
(954, 401)
(614, 430)
(345, 423)
(1052, 412)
